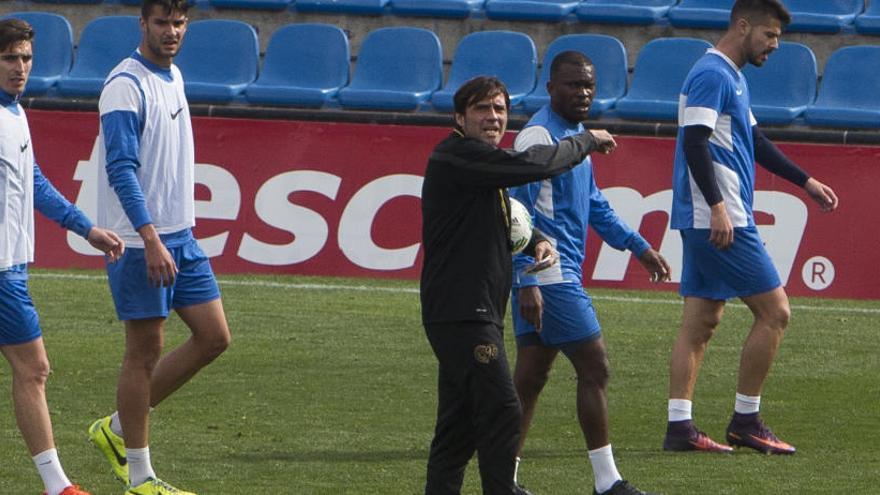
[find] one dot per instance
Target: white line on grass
(406, 290)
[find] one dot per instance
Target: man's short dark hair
(168, 6)
(756, 10)
(13, 31)
(478, 89)
(568, 57)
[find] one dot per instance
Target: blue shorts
(569, 317)
(19, 322)
(743, 269)
(136, 299)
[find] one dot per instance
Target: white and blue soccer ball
(520, 226)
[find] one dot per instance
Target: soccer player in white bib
(723, 256)
(551, 311)
(146, 193)
(23, 187)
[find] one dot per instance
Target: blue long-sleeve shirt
(23, 188)
(565, 206)
(50, 202)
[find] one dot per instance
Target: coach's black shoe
(521, 490)
(621, 487)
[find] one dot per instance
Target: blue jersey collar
(724, 57)
(10, 101)
(563, 123)
(163, 72)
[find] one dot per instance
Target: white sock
(139, 467)
(680, 409)
(604, 470)
(50, 470)
(516, 468)
(747, 404)
(115, 425)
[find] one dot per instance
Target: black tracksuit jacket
(467, 270)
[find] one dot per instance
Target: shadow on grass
(574, 453)
(379, 456)
(383, 456)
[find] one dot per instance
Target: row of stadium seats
(816, 16)
(401, 69)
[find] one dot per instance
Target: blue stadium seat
(869, 22)
(823, 16)
(508, 55)
(369, 7)
(659, 74)
(609, 57)
(849, 89)
(251, 4)
(53, 49)
(305, 65)
(398, 68)
(218, 60)
(458, 9)
(68, 1)
(624, 11)
(102, 44)
(783, 88)
(530, 10)
(712, 14)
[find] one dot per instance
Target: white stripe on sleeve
(531, 136)
(699, 116)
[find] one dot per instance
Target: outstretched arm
(485, 165)
(50, 202)
(54, 205)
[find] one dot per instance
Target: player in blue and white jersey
(23, 187)
(146, 192)
(551, 311)
(723, 256)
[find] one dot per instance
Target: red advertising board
(318, 198)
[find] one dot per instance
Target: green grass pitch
(329, 388)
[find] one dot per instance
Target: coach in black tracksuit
(466, 281)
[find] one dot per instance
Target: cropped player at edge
(146, 192)
(723, 256)
(551, 311)
(23, 187)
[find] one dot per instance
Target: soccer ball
(520, 226)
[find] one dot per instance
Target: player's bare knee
(532, 382)
(704, 329)
(541, 378)
(33, 373)
(144, 359)
(776, 319)
(710, 322)
(697, 337)
(595, 375)
(214, 345)
(783, 316)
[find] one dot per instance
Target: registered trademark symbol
(818, 273)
